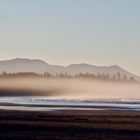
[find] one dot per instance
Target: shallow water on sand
(64, 104)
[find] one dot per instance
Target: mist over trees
(118, 77)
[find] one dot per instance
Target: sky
(98, 32)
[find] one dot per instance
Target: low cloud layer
(69, 89)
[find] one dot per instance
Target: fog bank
(68, 89)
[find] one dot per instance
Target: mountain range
(40, 66)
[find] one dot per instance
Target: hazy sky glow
(99, 32)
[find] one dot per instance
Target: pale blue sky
(99, 32)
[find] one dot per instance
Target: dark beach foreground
(69, 125)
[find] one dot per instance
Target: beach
(70, 125)
(52, 109)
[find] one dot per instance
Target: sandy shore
(70, 125)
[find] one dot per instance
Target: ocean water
(43, 103)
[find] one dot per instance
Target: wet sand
(70, 125)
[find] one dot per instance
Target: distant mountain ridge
(40, 66)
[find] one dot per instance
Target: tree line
(99, 76)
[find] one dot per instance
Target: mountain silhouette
(40, 66)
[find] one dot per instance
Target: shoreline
(62, 107)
